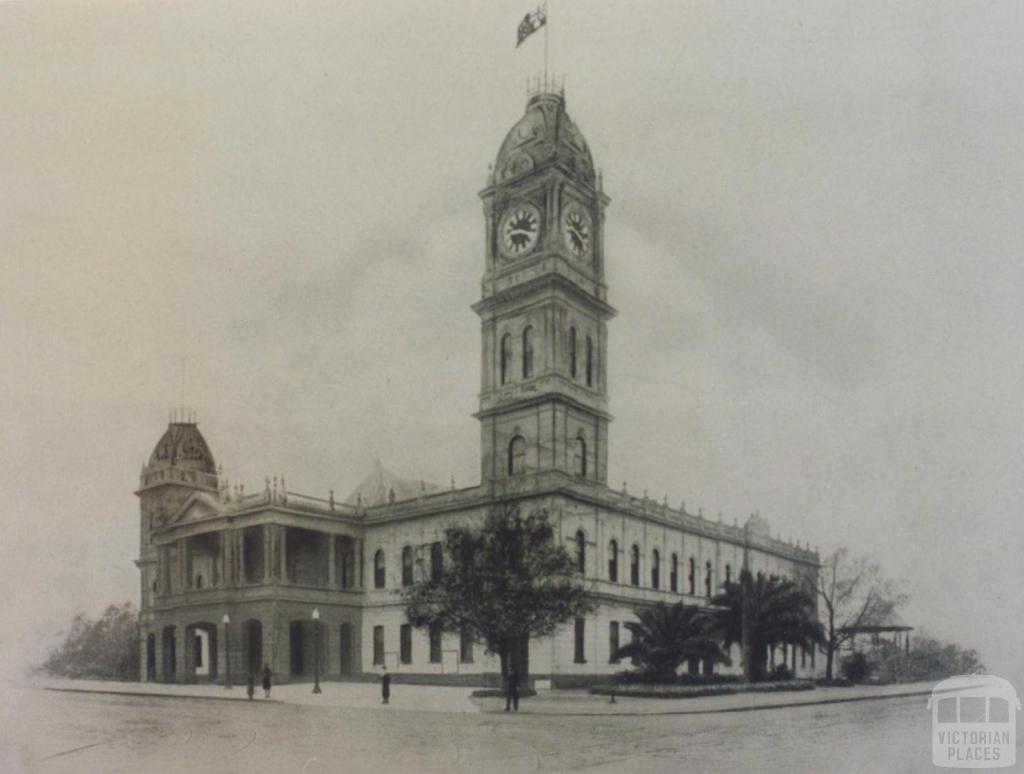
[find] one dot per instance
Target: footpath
(434, 698)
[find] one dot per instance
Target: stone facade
(230, 581)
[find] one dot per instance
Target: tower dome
(544, 135)
(183, 446)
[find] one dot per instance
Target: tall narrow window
(407, 566)
(436, 561)
(465, 646)
(435, 644)
(581, 552)
(517, 456)
(613, 562)
(405, 643)
(378, 569)
(572, 352)
(692, 577)
(590, 362)
(528, 352)
(613, 642)
(581, 457)
(655, 569)
(634, 566)
(506, 358)
(580, 636)
(707, 579)
(673, 573)
(378, 645)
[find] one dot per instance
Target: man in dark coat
(267, 678)
(250, 685)
(385, 685)
(512, 695)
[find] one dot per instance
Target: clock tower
(544, 310)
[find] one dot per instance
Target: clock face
(519, 230)
(577, 230)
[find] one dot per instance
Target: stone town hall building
(230, 579)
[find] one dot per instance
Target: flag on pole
(531, 23)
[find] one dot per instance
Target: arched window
(517, 456)
(673, 573)
(581, 458)
(707, 579)
(572, 352)
(590, 362)
(581, 552)
(506, 358)
(655, 569)
(528, 352)
(407, 566)
(378, 569)
(436, 561)
(613, 562)
(634, 566)
(692, 577)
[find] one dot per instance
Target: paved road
(61, 732)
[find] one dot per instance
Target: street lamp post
(227, 651)
(316, 649)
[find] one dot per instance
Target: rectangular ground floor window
(613, 641)
(580, 652)
(465, 646)
(378, 645)
(435, 644)
(405, 643)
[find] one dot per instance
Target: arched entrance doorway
(150, 658)
(345, 650)
(252, 632)
(170, 655)
(297, 648)
(201, 652)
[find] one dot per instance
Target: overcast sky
(814, 244)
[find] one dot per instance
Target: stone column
(360, 559)
(282, 536)
(143, 652)
(267, 560)
(221, 563)
(181, 655)
(332, 554)
(225, 641)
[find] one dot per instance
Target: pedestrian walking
(512, 694)
(268, 677)
(385, 685)
(250, 685)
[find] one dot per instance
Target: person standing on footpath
(512, 694)
(267, 678)
(250, 685)
(385, 685)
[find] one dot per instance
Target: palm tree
(777, 612)
(665, 636)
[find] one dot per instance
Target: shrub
(929, 659)
(855, 667)
(781, 672)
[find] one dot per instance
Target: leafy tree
(854, 592)
(105, 649)
(760, 612)
(666, 635)
(502, 583)
(928, 659)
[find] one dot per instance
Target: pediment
(198, 506)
